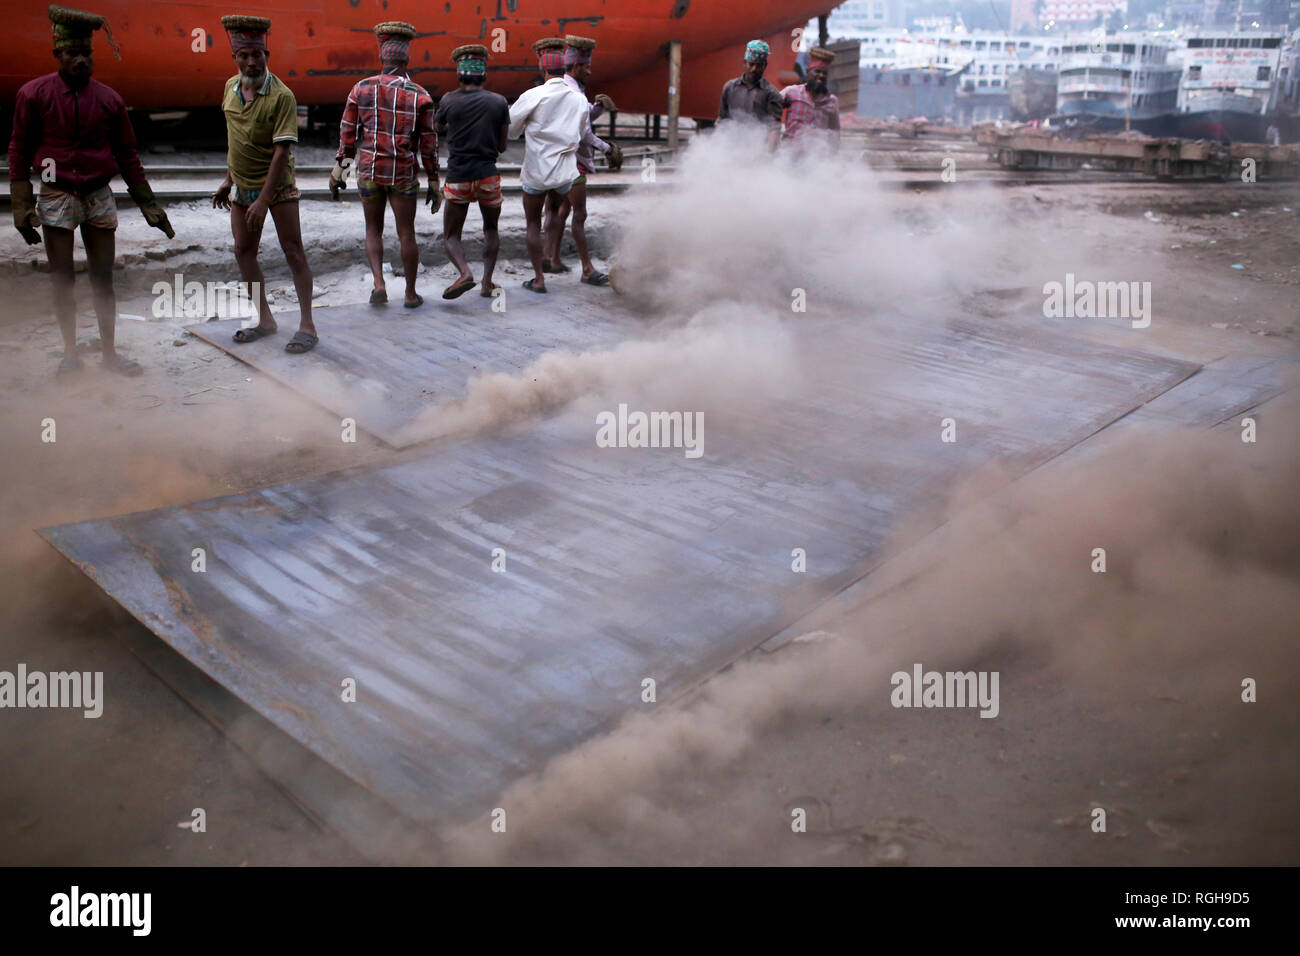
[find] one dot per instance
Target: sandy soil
(1187, 783)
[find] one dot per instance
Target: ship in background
(320, 48)
(1118, 82)
(1230, 86)
(1032, 94)
(945, 72)
(1288, 90)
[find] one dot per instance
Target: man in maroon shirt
(74, 131)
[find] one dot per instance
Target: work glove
(338, 179)
(606, 102)
(153, 213)
(614, 157)
(25, 219)
(433, 195)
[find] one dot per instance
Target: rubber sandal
(458, 288)
(528, 284)
(419, 301)
(252, 334)
(70, 367)
(301, 342)
(378, 298)
(122, 366)
(596, 278)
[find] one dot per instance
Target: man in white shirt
(554, 117)
(577, 73)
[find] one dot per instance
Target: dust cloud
(1200, 592)
(1201, 530)
(728, 261)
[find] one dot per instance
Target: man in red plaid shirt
(387, 121)
(812, 112)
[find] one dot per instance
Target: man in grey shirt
(750, 97)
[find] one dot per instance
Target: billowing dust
(1203, 544)
(1201, 530)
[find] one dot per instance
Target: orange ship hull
(321, 47)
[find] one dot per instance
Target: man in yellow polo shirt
(261, 128)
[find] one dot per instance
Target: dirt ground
(1187, 783)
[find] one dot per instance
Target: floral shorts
(67, 210)
(485, 192)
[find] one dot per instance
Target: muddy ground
(1186, 781)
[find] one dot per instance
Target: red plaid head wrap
(395, 40)
(550, 54)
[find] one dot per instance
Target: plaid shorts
(368, 188)
(246, 197)
(485, 192)
(67, 210)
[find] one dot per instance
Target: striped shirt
(387, 121)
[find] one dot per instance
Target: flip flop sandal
(488, 293)
(596, 278)
(301, 342)
(458, 288)
(528, 284)
(252, 334)
(122, 366)
(69, 367)
(558, 270)
(378, 298)
(419, 301)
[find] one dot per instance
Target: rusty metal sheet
(383, 366)
(621, 564)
